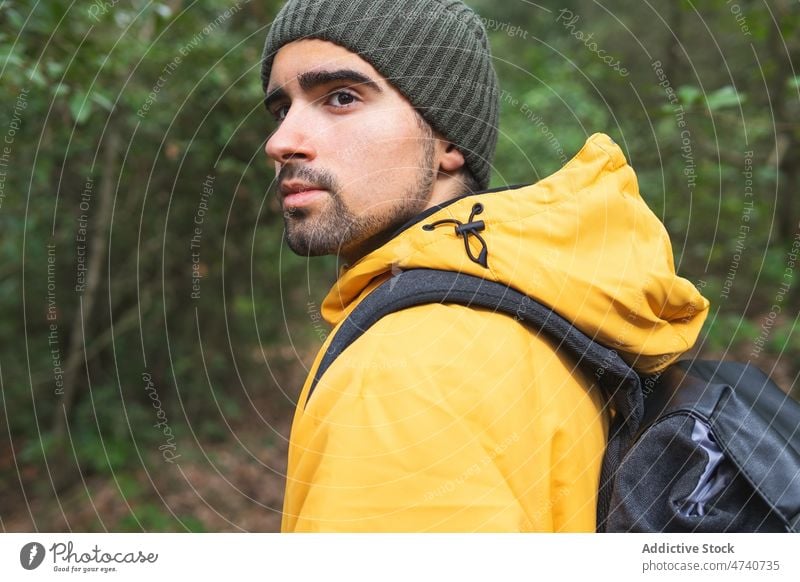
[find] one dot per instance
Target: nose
(292, 140)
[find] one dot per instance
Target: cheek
(378, 149)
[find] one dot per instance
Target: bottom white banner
(389, 557)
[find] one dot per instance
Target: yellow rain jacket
(450, 418)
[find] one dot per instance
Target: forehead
(308, 55)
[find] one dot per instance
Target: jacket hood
(581, 241)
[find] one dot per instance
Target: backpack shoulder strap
(421, 286)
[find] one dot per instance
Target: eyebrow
(313, 79)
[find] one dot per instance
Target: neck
(445, 188)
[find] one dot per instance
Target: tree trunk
(780, 45)
(95, 262)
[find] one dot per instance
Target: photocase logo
(31, 555)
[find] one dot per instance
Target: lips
(300, 194)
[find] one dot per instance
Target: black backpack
(704, 446)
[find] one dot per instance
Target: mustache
(322, 178)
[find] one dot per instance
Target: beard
(336, 230)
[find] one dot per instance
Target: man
(443, 417)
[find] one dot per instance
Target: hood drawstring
(470, 228)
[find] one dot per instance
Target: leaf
(54, 68)
(102, 101)
(689, 94)
(10, 58)
(163, 10)
(80, 107)
(15, 18)
(37, 78)
(725, 97)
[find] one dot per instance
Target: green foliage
(726, 331)
(176, 86)
(149, 517)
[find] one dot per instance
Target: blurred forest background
(155, 331)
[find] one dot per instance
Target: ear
(451, 158)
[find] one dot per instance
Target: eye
(280, 113)
(341, 99)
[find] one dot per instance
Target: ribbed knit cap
(435, 52)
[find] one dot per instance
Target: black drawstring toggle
(476, 226)
(465, 230)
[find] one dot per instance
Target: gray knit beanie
(435, 52)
